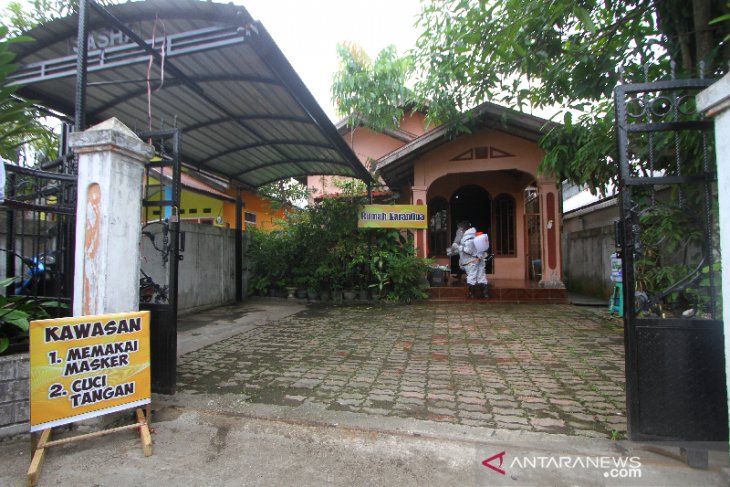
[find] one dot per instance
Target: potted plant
(259, 285)
(290, 292)
(325, 276)
(300, 283)
(380, 276)
(312, 288)
(363, 293)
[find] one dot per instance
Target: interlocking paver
(554, 368)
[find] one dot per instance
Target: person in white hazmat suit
(472, 258)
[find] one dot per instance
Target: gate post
(108, 218)
(550, 231)
(715, 102)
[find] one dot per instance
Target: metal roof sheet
(219, 76)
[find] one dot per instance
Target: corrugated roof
(244, 112)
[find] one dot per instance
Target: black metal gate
(159, 275)
(669, 241)
(39, 208)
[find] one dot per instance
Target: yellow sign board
(87, 366)
(392, 216)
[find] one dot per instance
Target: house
(208, 200)
(488, 176)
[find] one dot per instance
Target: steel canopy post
(239, 246)
(82, 46)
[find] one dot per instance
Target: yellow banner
(88, 366)
(392, 216)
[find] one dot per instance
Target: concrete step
(500, 295)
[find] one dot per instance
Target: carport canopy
(208, 69)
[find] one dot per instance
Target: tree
(18, 119)
(285, 192)
(23, 16)
(565, 54)
(371, 92)
(26, 135)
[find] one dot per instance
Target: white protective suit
(472, 261)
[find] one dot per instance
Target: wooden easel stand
(45, 442)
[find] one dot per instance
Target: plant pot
(302, 293)
(290, 290)
(324, 295)
(312, 294)
(349, 295)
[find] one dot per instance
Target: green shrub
(16, 313)
(321, 247)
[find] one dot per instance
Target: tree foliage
(562, 53)
(285, 192)
(371, 92)
(18, 119)
(23, 16)
(26, 136)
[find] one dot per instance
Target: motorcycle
(39, 277)
(149, 290)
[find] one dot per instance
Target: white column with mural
(715, 103)
(108, 218)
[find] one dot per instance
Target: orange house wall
(266, 214)
(367, 145)
(437, 175)
(414, 123)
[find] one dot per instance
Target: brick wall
(14, 394)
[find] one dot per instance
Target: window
(249, 218)
(438, 227)
(504, 228)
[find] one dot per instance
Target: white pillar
(715, 102)
(108, 218)
(418, 197)
(550, 231)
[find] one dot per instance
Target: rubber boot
(471, 291)
(484, 290)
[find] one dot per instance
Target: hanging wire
(151, 61)
(149, 80)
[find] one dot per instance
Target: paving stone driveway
(551, 368)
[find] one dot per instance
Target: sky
(307, 32)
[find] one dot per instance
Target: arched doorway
(473, 203)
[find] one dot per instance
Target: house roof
(344, 128)
(217, 74)
(396, 167)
